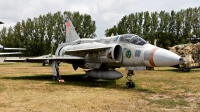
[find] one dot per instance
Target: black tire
(186, 69)
(133, 84)
(128, 85)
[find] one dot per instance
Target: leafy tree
(3, 35)
(179, 25)
(153, 27)
(169, 28)
(17, 39)
(196, 21)
(140, 21)
(123, 25)
(49, 34)
(9, 41)
(113, 30)
(38, 35)
(146, 25)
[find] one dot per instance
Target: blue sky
(106, 13)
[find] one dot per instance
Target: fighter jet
(100, 56)
(6, 53)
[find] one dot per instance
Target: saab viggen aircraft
(102, 55)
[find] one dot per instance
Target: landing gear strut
(130, 82)
(56, 75)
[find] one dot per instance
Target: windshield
(134, 39)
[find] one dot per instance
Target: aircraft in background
(102, 55)
(7, 53)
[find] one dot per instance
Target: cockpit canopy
(132, 38)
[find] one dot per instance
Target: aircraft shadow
(73, 79)
(180, 71)
(78, 80)
(170, 70)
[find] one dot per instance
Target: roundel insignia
(128, 53)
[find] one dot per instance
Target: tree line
(39, 35)
(168, 28)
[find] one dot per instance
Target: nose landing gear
(130, 83)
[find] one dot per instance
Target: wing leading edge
(66, 58)
(43, 59)
(7, 53)
(89, 49)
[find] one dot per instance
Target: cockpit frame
(132, 38)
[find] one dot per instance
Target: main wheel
(128, 85)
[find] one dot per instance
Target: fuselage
(122, 50)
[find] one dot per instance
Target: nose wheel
(130, 83)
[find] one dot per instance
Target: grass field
(29, 87)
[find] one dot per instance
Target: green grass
(168, 102)
(29, 87)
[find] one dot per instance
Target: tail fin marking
(71, 33)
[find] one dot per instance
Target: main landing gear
(130, 82)
(56, 75)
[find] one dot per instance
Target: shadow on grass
(73, 79)
(167, 69)
(36, 77)
(6, 63)
(143, 90)
(78, 80)
(179, 71)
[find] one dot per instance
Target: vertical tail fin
(71, 33)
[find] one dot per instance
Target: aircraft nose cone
(163, 57)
